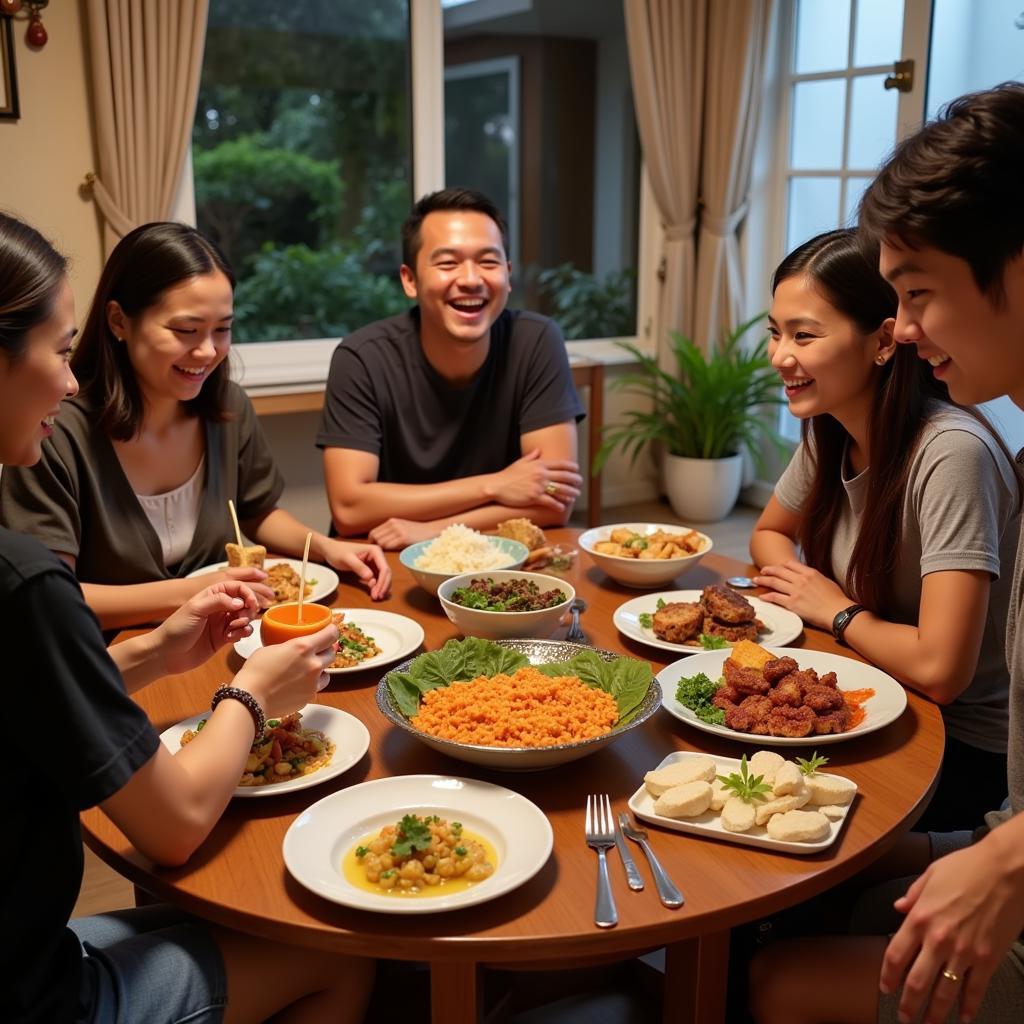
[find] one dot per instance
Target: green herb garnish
(646, 620)
(362, 851)
(414, 834)
(695, 693)
(811, 766)
(744, 785)
(390, 873)
(460, 851)
(712, 643)
(273, 723)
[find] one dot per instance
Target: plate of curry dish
(784, 696)
(283, 576)
(690, 621)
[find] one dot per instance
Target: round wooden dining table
(238, 879)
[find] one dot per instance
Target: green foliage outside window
(587, 306)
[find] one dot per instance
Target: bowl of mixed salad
(503, 604)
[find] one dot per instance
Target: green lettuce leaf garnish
(626, 679)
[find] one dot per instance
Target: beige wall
(45, 155)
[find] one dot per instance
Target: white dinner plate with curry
(397, 636)
(781, 625)
(322, 578)
(884, 706)
(318, 841)
(350, 738)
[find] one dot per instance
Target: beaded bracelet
(236, 693)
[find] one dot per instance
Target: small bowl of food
(505, 603)
(457, 550)
(645, 554)
(518, 705)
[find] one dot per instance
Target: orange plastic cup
(281, 621)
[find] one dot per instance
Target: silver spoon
(741, 582)
(575, 634)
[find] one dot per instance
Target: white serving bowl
(642, 572)
(522, 759)
(430, 580)
(504, 625)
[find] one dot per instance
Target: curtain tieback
(680, 232)
(112, 213)
(724, 226)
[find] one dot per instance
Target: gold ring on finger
(550, 488)
(950, 975)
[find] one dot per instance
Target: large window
(302, 160)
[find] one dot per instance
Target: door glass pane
(872, 122)
(878, 34)
(539, 115)
(974, 46)
(481, 128)
(813, 208)
(822, 35)
(817, 130)
(854, 190)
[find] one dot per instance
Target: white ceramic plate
(781, 625)
(326, 578)
(351, 741)
(395, 635)
(641, 803)
(320, 836)
(884, 707)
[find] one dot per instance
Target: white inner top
(174, 515)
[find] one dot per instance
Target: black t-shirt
(73, 738)
(384, 397)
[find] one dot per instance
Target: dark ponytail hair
(143, 265)
(31, 273)
(845, 272)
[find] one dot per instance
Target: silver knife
(633, 877)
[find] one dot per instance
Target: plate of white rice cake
(790, 810)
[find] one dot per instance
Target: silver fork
(600, 832)
(667, 891)
(575, 634)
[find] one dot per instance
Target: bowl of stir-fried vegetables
(503, 604)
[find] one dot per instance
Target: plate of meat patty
(677, 620)
(789, 697)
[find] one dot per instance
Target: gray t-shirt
(959, 513)
(384, 397)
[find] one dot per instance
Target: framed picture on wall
(8, 77)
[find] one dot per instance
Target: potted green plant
(704, 415)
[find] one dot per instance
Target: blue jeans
(151, 965)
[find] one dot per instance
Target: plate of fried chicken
(784, 696)
(690, 621)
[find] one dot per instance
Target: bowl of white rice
(458, 549)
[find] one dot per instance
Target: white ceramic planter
(702, 490)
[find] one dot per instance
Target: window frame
(297, 366)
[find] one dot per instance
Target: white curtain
(146, 58)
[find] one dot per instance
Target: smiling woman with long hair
(87, 744)
(132, 488)
(895, 523)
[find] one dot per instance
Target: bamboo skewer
(234, 519)
(302, 581)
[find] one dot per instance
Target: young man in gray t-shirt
(458, 411)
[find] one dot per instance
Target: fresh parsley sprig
(647, 619)
(809, 767)
(712, 643)
(413, 834)
(744, 785)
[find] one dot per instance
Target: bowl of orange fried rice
(521, 719)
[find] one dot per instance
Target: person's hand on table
(254, 578)
(219, 614)
(393, 534)
(803, 590)
(285, 677)
(367, 561)
(532, 480)
(963, 914)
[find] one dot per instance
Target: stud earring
(880, 360)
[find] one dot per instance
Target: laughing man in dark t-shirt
(459, 410)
